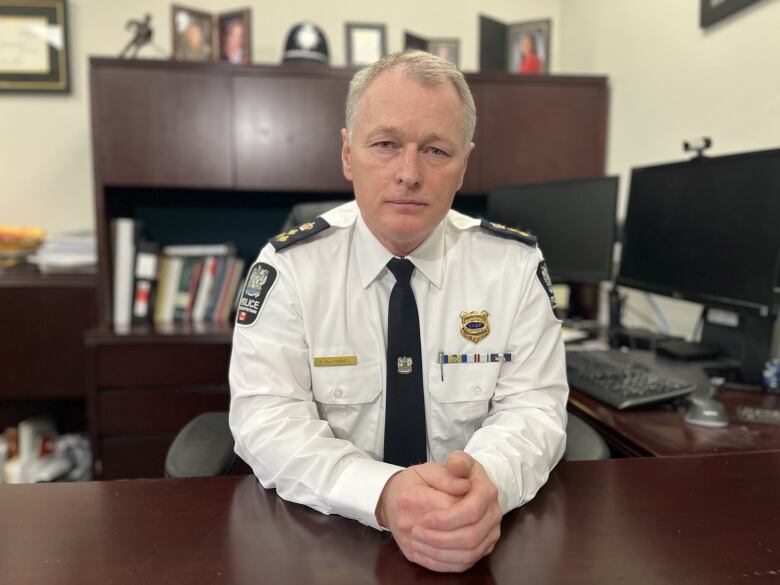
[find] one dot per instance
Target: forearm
(518, 447)
(289, 448)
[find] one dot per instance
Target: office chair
(582, 442)
(205, 446)
(307, 211)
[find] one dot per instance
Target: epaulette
(509, 232)
(298, 234)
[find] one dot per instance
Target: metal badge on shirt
(474, 325)
(405, 365)
(259, 282)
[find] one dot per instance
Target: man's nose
(409, 168)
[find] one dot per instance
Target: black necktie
(405, 406)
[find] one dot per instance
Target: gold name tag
(335, 360)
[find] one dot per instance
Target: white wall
(670, 80)
(45, 141)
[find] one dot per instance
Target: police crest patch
(259, 282)
(474, 325)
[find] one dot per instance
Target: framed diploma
(34, 46)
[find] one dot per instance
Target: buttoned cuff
(359, 486)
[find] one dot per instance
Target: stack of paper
(67, 253)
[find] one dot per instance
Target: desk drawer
(135, 457)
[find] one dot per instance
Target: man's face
(406, 158)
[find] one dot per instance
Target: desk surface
(712, 519)
(659, 430)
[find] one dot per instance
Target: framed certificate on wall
(34, 46)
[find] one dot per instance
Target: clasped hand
(443, 517)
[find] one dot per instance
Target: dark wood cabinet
(288, 132)
(197, 140)
(44, 318)
(548, 129)
(162, 127)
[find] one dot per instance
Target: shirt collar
(372, 256)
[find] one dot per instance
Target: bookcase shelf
(206, 153)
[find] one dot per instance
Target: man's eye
(384, 145)
(436, 151)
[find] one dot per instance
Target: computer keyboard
(619, 382)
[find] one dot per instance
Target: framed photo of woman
(528, 47)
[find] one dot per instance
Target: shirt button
(477, 390)
(337, 393)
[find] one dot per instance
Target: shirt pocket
(348, 398)
(459, 404)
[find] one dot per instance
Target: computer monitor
(708, 230)
(574, 221)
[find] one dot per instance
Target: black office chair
(204, 447)
(307, 211)
(582, 442)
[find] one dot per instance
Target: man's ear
(469, 149)
(346, 154)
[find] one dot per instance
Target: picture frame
(365, 43)
(235, 37)
(713, 11)
(447, 49)
(528, 47)
(34, 48)
(193, 34)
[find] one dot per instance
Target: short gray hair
(424, 68)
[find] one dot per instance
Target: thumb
(459, 464)
(437, 476)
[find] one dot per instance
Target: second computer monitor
(574, 221)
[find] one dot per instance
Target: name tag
(335, 360)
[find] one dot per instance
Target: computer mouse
(706, 412)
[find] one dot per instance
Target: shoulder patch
(298, 234)
(259, 281)
(544, 277)
(508, 232)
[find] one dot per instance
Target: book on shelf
(124, 232)
(227, 297)
(145, 287)
(205, 288)
(223, 249)
(167, 288)
(188, 270)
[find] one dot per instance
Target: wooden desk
(711, 519)
(659, 430)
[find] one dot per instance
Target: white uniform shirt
(316, 433)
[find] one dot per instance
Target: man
(337, 390)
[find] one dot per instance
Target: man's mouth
(409, 202)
